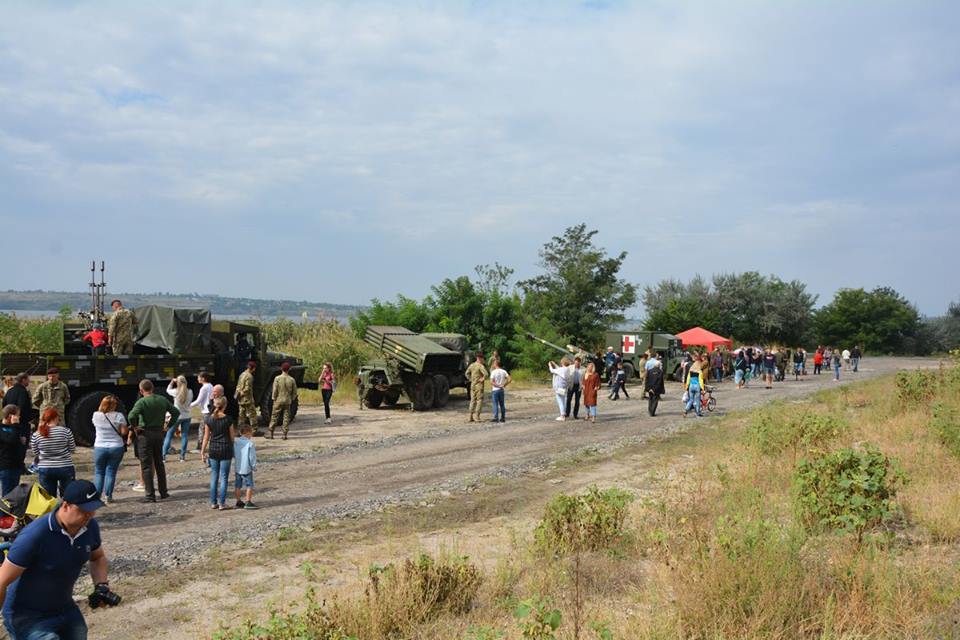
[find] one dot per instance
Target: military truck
(421, 366)
(168, 342)
(633, 344)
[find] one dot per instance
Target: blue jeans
(856, 364)
(67, 624)
(56, 477)
(219, 474)
(9, 479)
(499, 408)
(106, 461)
(693, 402)
(836, 372)
(184, 432)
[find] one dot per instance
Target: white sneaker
(559, 418)
(327, 421)
(138, 487)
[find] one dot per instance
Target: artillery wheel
(391, 397)
(373, 399)
(80, 416)
(441, 391)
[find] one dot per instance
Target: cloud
(349, 126)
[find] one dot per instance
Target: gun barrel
(548, 343)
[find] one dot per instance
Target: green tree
(579, 291)
(881, 321)
(485, 314)
(405, 312)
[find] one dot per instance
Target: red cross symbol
(629, 342)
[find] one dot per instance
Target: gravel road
(367, 460)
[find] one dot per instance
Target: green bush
(916, 386)
(312, 624)
(587, 522)
(945, 424)
(849, 489)
(31, 334)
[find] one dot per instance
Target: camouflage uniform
(120, 330)
(284, 393)
(244, 396)
(477, 374)
(52, 394)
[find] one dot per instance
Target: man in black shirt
(19, 395)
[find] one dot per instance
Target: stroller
(21, 506)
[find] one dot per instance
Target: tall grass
(30, 334)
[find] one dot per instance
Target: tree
(881, 321)
(579, 292)
(405, 312)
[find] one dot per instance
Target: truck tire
(628, 370)
(80, 416)
(441, 391)
(266, 407)
(391, 397)
(373, 399)
(421, 392)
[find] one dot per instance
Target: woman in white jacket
(561, 377)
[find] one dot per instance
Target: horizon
(341, 151)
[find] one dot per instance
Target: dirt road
(368, 459)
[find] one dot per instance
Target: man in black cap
(52, 393)
(42, 566)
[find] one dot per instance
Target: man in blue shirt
(37, 577)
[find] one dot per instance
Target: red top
(327, 379)
(97, 338)
(818, 357)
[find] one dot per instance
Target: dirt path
(369, 460)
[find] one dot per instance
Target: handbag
(122, 437)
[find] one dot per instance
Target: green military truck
(633, 344)
(421, 366)
(168, 342)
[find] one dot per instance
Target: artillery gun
(422, 367)
(571, 351)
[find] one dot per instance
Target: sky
(341, 151)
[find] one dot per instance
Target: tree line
(579, 295)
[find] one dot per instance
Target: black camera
(103, 597)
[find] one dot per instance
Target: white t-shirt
(498, 377)
(184, 408)
(846, 354)
(106, 436)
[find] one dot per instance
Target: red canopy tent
(700, 337)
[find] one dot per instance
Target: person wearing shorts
(245, 458)
(769, 362)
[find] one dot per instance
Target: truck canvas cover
(173, 330)
(452, 341)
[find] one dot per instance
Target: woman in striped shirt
(54, 444)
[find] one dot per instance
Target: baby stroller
(24, 504)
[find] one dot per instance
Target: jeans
(836, 372)
(56, 477)
(9, 478)
(499, 407)
(325, 394)
(219, 478)
(693, 402)
(562, 400)
(184, 432)
(856, 364)
(591, 411)
(737, 376)
(718, 373)
(573, 393)
(66, 624)
(106, 461)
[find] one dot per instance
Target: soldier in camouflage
(120, 329)
(244, 397)
(476, 374)
(284, 395)
(52, 393)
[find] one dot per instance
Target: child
(245, 457)
(97, 339)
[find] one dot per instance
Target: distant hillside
(219, 305)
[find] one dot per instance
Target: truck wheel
(391, 397)
(80, 416)
(441, 391)
(266, 408)
(373, 399)
(421, 393)
(629, 371)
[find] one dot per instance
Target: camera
(103, 597)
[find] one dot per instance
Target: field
(712, 544)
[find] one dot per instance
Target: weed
(915, 387)
(945, 424)
(587, 522)
(848, 489)
(775, 429)
(538, 618)
(483, 633)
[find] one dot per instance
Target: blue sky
(347, 150)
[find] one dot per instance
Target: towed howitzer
(571, 350)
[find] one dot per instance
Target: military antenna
(97, 290)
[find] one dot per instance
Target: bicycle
(707, 401)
